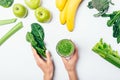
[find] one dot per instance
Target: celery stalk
(8, 21)
(11, 32)
(113, 60)
(106, 52)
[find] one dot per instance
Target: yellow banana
(60, 4)
(63, 13)
(71, 12)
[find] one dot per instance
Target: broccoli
(101, 5)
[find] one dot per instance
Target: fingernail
(47, 51)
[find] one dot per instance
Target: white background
(16, 58)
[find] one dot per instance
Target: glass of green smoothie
(65, 48)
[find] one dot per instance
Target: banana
(71, 12)
(63, 13)
(60, 4)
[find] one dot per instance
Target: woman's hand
(70, 65)
(46, 65)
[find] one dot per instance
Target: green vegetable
(106, 52)
(115, 22)
(6, 3)
(36, 38)
(101, 5)
(11, 32)
(8, 21)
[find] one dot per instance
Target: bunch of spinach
(6, 3)
(36, 38)
(101, 5)
(115, 22)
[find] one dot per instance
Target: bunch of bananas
(68, 10)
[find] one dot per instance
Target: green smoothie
(65, 48)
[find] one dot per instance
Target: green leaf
(30, 38)
(118, 39)
(6, 3)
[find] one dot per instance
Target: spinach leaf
(38, 34)
(30, 38)
(37, 30)
(36, 38)
(6, 3)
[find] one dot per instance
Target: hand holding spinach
(36, 38)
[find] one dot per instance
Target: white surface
(16, 58)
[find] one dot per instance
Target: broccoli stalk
(11, 32)
(8, 21)
(106, 52)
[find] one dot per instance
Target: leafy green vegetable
(106, 52)
(11, 32)
(30, 38)
(115, 22)
(8, 21)
(101, 5)
(6, 3)
(36, 38)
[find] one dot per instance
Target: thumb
(48, 55)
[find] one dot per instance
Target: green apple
(42, 14)
(33, 4)
(19, 10)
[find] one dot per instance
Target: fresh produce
(63, 13)
(11, 32)
(68, 12)
(71, 12)
(106, 52)
(42, 15)
(65, 48)
(60, 4)
(115, 23)
(8, 21)
(33, 4)
(36, 38)
(101, 5)
(6, 3)
(19, 10)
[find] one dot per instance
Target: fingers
(75, 55)
(48, 55)
(64, 60)
(38, 60)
